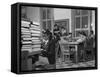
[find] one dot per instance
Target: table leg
(76, 47)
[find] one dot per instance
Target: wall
(63, 14)
(33, 13)
(93, 21)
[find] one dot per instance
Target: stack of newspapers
(36, 33)
(30, 34)
(26, 36)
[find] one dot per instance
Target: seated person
(82, 37)
(89, 48)
(82, 43)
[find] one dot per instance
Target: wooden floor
(43, 64)
(75, 65)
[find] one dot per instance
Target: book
(34, 41)
(26, 45)
(34, 31)
(25, 25)
(34, 26)
(30, 50)
(35, 23)
(35, 34)
(36, 46)
(36, 49)
(27, 38)
(27, 33)
(24, 28)
(26, 42)
(35, 38)
(25, 22)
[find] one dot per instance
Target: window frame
(47, 19)
(82, 29)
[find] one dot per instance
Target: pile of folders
(30, 36)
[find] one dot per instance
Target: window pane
(77, 12)
(85, 22)
(77, 22)
(91, 18)
(43, 13)
(49, 25)
(84, 12)
(48, 14)
(44, 25)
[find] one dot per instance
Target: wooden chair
(65, 52)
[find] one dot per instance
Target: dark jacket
(51, 52)
(89, 43)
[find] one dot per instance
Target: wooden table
(69, 44)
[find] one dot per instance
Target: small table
(69, 44)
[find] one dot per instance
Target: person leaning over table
(64, 35)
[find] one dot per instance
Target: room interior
(73, 20)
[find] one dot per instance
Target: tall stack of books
(36, 34)
(26, 36)
(31, 34)
(26, 48)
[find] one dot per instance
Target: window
(85, 22)
(77, 22)
(43, 14)
(48, 14)
(49, 24)
(46, 18)
(44, 25)
(82, 20)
